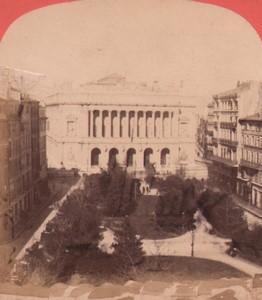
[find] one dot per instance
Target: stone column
(154, 123)
(107, 124)
(87, 121)
(128, 123)
(110, 114)
(91, 123)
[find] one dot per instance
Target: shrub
(127, 245)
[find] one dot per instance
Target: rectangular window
(71, 127)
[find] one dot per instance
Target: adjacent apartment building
(111, 119)
(228, 107)
(210, 129)
(23, 180)
(249, 180)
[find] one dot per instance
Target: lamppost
(192, 228)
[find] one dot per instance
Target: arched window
(112, 159)
(130, 157)
(95, 153)
(148, 156)
(164, 158)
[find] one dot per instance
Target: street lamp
(192, 227)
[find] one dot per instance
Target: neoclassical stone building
(135, 126)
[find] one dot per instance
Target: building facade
(249, 181)
(228, 108)
(202, 137)
(210, 129)
(109, 122)
(20, 150)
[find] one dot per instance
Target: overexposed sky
(165, 40)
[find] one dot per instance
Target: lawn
(172, 268)
(166, 269)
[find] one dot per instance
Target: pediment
(71, 117)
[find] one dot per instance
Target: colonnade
(131, 124)
(130, 157)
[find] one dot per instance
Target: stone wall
(227, 289)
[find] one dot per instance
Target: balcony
(215, 140)
(251, 165)
(251, 132)
(231, 163)
(252, 147)
(229, 143)
(228, 125)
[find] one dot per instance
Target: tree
(172, 182)
(128, 246)
(95, 187)
(177, 203)
(150, 173)
(120, 199)
(104, 182)
(250, 244)
(129, 195)
(222, 213)
(71, 233)
(115, 191)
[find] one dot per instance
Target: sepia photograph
(131, 149)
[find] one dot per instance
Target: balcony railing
(228, 125)
(228, 142)
(249, 164)
(232, 163)
(252, 147)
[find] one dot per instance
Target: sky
(208, 47)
